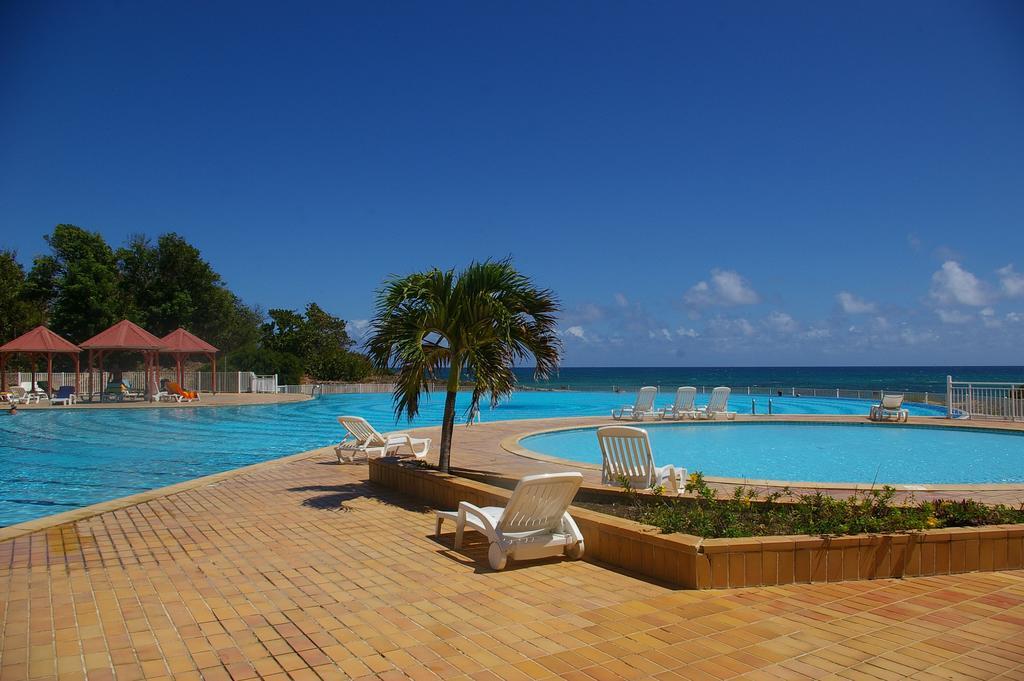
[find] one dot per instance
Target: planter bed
(693, 562)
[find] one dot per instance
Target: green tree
(169, 284)
(319, 339)
(483, 321)
(261, 360)
(17, 315)
(75, 287)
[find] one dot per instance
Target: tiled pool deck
(300, 569)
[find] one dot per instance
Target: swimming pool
(817, 452)
(56, 460)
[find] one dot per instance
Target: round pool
(817, 452)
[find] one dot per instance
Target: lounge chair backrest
(539, 502)
(361, 430)
(645, 398)
(18, 391)
(626, 453)
(892, 401)
(31, 387)
(64, 392)
(719, 399)
(684, 398)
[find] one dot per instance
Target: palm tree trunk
(448, 422)
(447, 426)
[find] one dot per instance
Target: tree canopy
(81, 286)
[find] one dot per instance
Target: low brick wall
(694, 563)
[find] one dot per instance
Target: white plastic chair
(683, 406)
(364, 439)
(535, 523)
(626, 455)
(891, 405)
(717, 405)
(643, 406)
(19, 395)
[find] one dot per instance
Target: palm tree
(482, 321)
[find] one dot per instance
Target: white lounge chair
(535, 523)
(717, 405)
(891, 405)
(683, 406)
(65, 395)
(643, 406)
(626, 456)
(18, 395)
(364, 439)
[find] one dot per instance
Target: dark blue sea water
(910, 379)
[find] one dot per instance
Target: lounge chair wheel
(496, 557)
(574, 551)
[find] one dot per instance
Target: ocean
(892, 379)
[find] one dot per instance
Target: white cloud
(953, 316)
(1011, 281)
(726, 287)
(989, 319)
(912, 337)
(684, 332)
(662, 333)
(817, 333)
(577, 332)
(722, 326)
(780, 322)
(621, 300)
(357, 327)
(953, 284)
(851, 304)
(1014, 317)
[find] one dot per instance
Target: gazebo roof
(40, 339)
(181, 341)
(123, 336)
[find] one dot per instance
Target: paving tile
(304, 570)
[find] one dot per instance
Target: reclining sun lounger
(626, 457)
(643, 406)
(717, 405)
(891, 405)
(535, 523)
(362, 438)
(65, 395)
(683, 406)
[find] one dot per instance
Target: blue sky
(702, 183)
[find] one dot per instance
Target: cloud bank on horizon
(724, 318)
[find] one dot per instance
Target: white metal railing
(340, 388)
(983, 400)
(263, 384)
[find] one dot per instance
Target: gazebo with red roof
(180, 343)
(129, 337)
(39, 341)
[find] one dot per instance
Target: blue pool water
(56, 460)
(884, 453)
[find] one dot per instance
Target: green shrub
(747, 514)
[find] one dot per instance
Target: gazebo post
(3, 372)
(78, 375)
(213, 377)
(49, 372)
(32, 359)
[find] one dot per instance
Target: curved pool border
(512, 444)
